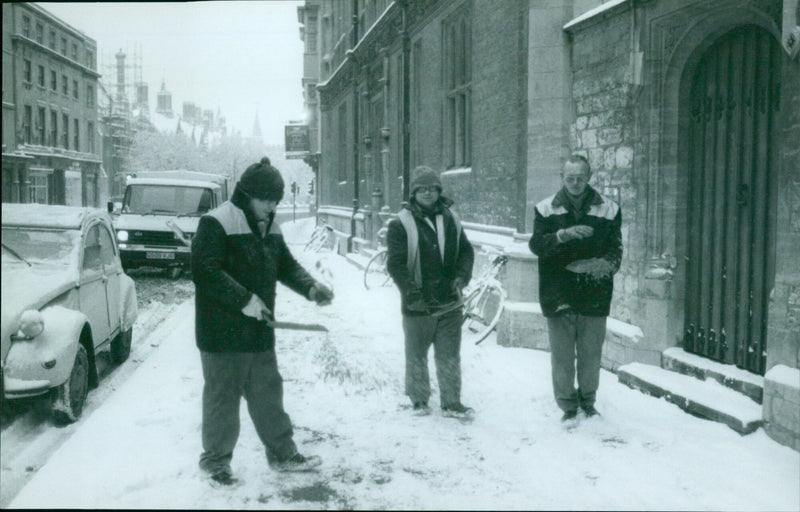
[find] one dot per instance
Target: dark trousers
(576, 342)
(444, 333)
(228, 377)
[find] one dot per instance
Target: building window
(65, 135)
(76, 137)
(37, 190)
(27, 71)
(64, 46)
(39, 33)
(53, 81)
(40, 76)
(89, 96)
(90, 136)
(75, 89)
(53, 39)
(89, 59)
(40, 117)
(64, 85)
(75, 52)
(26, 125)
(53, 129)
(26, 26)
(457, 84)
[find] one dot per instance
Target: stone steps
(678, 360)
(704, 398)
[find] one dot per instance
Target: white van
(159, 216)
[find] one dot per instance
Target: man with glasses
(577, 237)
(430, 259)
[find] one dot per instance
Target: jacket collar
(441, 204)
(242, 201)
(592, 198)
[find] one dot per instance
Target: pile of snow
(344, 392)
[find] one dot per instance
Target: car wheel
(71, 395)
(121, 346)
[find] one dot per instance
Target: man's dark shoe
(224, 478)
(569, 416)
(590, 411)
(457, 410)
(421, 409)
(295, 463)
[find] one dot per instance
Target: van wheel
(71, 395)
(121, 346)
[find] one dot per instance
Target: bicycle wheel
(482, 311)
(375, 273)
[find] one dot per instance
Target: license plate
(160, 255)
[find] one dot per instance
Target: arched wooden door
(732, 166)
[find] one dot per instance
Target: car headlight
(31, 323)
(122, 235)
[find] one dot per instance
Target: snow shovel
(295, 326)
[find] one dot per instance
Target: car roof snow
(48, 216)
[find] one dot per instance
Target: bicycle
(319, 238)
(484, 299)
(376, 275)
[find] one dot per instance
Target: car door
(92, 285)
(111, 270)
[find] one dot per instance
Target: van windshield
(167, 200)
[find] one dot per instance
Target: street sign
(296, 140)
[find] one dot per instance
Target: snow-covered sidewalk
(344, 393)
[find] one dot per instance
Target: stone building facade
(699, 155)
(51, 141)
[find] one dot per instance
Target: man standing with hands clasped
(577, 236)
(238, 255)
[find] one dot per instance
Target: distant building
(51, 141)
(164, 105)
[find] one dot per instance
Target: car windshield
(167, 200)
(39, 245)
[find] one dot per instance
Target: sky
(139, 447)
(243, 57)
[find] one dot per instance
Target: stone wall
(604, 132)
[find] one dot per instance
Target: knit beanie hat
(262, 181)
(424, 176)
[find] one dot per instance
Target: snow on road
(344, 393)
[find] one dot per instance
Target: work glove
(574, 233)
(417, 304)
(256, 308)
(320, 294)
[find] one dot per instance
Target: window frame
(457, 88)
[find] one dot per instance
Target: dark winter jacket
(437, 275)
(231, 261)
(559, 289)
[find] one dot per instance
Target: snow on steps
(678, 360)
(708, 399)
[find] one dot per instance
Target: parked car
(65, 299)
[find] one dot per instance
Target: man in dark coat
(238, 255)
(577, 236)
(430, 259)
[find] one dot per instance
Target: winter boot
(590, 411)
(421, 409)
(295, 463)
(224, 478)
(457, 410)
(569, 416)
